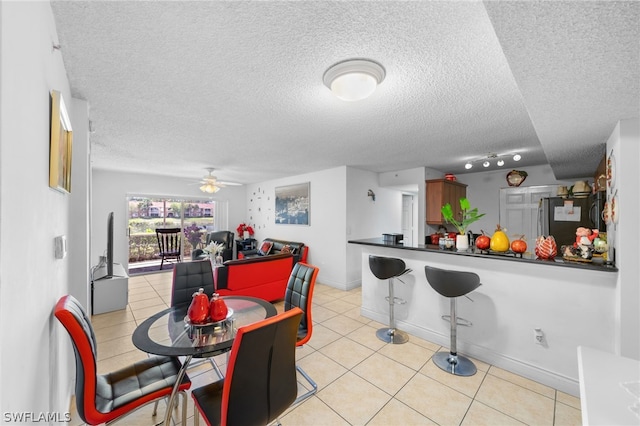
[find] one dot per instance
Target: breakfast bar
(571, 303)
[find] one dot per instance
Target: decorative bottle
(199, 309)
(217, 308)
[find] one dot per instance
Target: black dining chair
(299, 294)
(188, 278)
(261, 381)
(169, 242)
(105, 398)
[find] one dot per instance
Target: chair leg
(391, 334)
(313, 384)
(216, 368)
(452, 362)
(184, 408)
(155, 408)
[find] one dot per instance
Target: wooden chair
(169, 240)
(261, 382)
(105, 398)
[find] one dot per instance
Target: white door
(519, 210)
(407, 219)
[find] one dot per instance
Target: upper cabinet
(441, 192)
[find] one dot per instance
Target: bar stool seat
(453, 284)
(388, 268)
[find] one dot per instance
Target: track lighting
(488, 159)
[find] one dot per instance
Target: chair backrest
(261, 382)
(225, 237)
(299, 294)
(386, 267)
(75, 320)
(451, 283)
(169, 239)
(188, 277)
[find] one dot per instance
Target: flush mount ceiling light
(487, 160)
(354, 79)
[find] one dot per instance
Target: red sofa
(265, 277)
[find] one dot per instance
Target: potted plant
(244, 231)
(469, 216)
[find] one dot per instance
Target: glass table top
(167, 333)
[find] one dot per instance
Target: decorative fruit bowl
(188, 323)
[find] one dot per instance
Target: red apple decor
(519, 246)
(483, 242)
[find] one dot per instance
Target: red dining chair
(261, 382)
(299, 294)
(105, 398)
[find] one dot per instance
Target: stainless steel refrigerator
(560, 217)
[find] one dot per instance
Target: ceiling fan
(211, 185)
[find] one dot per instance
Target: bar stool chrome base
(392, 335)
(457, 365)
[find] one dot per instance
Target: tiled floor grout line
(336, 312)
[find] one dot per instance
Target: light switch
(60, 244)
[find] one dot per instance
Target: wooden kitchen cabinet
(441, 192)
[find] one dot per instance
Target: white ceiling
(176, 87)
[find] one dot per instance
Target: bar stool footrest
(459, 321)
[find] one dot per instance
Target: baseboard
(548, 378)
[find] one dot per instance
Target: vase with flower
(245, 231)
(214, 250)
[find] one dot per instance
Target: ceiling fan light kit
(354, 79)
(209, 188)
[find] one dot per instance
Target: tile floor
(362, 381)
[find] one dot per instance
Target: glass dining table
(169, 333)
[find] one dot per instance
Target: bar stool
(453, 284)
(389, 268)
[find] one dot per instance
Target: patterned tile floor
(361, 380)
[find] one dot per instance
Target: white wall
(110, 192)
(624, 142)
(35, 356)
(367, 218)
(325, 234)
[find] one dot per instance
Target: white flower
(214, 248)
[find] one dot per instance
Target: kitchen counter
(573, 305)
(527, 257)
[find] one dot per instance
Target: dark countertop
(509, 256)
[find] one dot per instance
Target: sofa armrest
(196, 253)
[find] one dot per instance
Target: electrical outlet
(538, 336)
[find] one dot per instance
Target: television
(105, 267)
(110, 245)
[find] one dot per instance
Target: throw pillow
(265, 248)
(286, 249)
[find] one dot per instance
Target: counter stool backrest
(451, 283)
(386, 267)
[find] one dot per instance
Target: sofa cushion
(286, 249)
(265, 248)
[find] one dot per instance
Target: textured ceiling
(176, 87)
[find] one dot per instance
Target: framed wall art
(292, 204)
(60, 147)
